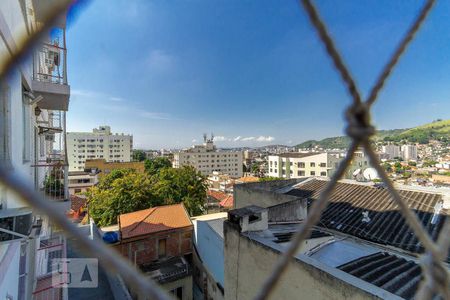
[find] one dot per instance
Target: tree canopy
(152, 166)
(139, 155)
(124, 191)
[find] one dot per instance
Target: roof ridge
(148, 215)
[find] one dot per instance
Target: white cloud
(155, 115)
(265, 139)
(99, 96)
(239, 138)
(194, 141)
(220, 138)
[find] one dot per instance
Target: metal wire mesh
(436, 279)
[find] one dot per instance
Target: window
(178, 292)
(312, 164)
(301, 165)
(26, 118)
(323, 165)
(161, 248)
(313, 173)
(283, 164)
(77, 191)
(5, 124)
(300, 173)
(323, 173)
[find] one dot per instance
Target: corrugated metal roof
(370, 213)
(389, 272)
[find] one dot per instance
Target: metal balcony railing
(50, 63)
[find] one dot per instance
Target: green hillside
(437, 130)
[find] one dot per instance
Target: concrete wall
(144, 250)
(248, 264)
(185, 283)
(261, 193)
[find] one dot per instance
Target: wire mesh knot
(359, 127)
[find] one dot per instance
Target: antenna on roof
(204, 137)
(212, 136)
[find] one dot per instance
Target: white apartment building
(297, 165)
(100, 143)
(409, 152)
(391, 150)
(406, 152)
(33, 100)
(207, 159)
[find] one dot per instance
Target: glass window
(313, 173)
(312, 164)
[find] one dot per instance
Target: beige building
(206, 158)
(359, 249)
(80, 181)
(298, 165)
(100, 143)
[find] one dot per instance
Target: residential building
(362, 247)
(206, 158)
(409, 152)
(218, 201)
(208, 258)
(98, 144)
(392, 150)
(80, 181)
(298, 165)
(158, 240)
(220, 182)
(102, 167)
(34, 98)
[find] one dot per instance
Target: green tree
(387, 167)
(152, 166)
(120, 192)
(184, 184)
(138, 155)
(54, 186)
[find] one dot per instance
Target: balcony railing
(50, 64)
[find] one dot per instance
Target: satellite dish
(371, 174)
(356, 172)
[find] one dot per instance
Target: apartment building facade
(406, 152)
(298, 165)
(101, 143)
(34, 98)
(206, 158)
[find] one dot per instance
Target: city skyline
(253, 74)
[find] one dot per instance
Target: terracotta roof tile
(228, 202)
(153, 220)
(219, 196)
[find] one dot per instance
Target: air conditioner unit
(18, 220)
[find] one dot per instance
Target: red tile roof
(153, 220)
(77, 202)
(219, 196)
(228, 202)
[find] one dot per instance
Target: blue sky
(251, 72)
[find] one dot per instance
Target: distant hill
(437, 130)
